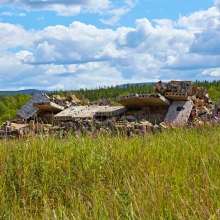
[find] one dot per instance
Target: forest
(10, 103)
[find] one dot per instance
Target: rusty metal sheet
(179, 112)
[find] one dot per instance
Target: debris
(179, 112)
(174, 103)
(135, 101)
(28, 110)
(89, 112)
(48, 106)
(102, 102)
(177, 96)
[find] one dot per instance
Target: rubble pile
(187, 91)
(66, 102)
(102, 102)
(174, 103)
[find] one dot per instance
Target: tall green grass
(171, 175)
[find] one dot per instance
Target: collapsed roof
(138, 101)
(180, 98)
(88, 112)
(29, 110)
(172, 102)
(48, 106)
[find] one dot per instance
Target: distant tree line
(10, 104)
(111, 92)
(213, 88)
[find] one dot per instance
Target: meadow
(171, 175)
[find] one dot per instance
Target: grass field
(171, 175)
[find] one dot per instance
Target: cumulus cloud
(211, 72)
(111, 10)
(200, 20)
(115, 15)
(217, 4)
(191, 62)
(22, 14)
(78, 43)
(207, 42)
(6, 13)
(84, 56)
(13, 36)
(11, 66)
(62, 7)
(157, 40)
(131, 3)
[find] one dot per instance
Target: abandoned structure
(172, 103)
(89, 112)
(175, 103)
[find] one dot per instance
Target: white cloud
(106, 8)
(191, 62)
(63, 10)
(217, 4)
(115, 15)
(211, 72)
(13, 36)
(6, 13)
(22, 14)
(78, 43)
(84, 56)
(198, 21)
(62, 7)
(55, 69)
(12, 68)
(207, 42)
(131, 3)
(159, 40)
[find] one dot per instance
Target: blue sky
(72, 44)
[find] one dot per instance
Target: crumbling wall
(179, 112)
